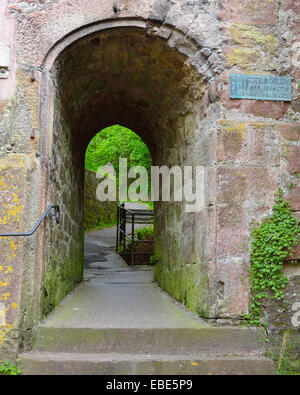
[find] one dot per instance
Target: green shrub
(272, 241)
(144, 233)
(9, 370)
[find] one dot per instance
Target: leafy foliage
(116, 142)
(9, 370)
(272, 241)
(144, 233)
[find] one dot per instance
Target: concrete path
(107, 237)
(118, 321)
(114, 295)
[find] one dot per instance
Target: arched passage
(127, 76)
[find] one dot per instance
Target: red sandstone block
(290, 131)
(261, 12)
(295, 251)
(232, 141)
(238, 184)
(212, 145)
(293, 197)
(290, 152)
(292, 155)
(233, 273)
(264, 147)
(232, 230)
(297, 216)
(295, 73)
(211, 233)
(266, 109)
(293, 5)
(263, 183)
(232, 184)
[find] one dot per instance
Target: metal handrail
(122, 235)
(56, 214)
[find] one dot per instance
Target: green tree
(116, 142)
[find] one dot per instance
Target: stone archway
(248, 147)
(132, 75)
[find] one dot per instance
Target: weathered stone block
(232, 230)
(188, 234)
(284, 315)
(251, 36)
(233, 277)
(267, 109)
(264, 144)
(249, 12)
(232, 184)
(242, 57)
(14, 172)
(232, 141)
(290, 132)
(196, 289)
(291, 154)
(295, 251)
(293, 197)
(293, 5)
(179, 285)
(211, 233)
(263, 183)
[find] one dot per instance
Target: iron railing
(124, 216)
(48, 213)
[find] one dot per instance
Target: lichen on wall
(12, 171)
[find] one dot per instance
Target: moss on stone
(188, 285)
(61, 277)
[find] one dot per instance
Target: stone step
(36, 363)
(201, 339)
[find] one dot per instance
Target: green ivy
(9, 370)
(272, 241)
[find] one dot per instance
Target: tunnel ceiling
(123, 76)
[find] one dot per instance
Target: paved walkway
(118, 321)
(114, 295)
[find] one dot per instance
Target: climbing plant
(8, 369)
(272, 241)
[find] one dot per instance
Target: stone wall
(127, 98)
(96, 213)
(64, 244)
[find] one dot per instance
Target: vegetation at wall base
(8, 369)
(272, 241)
(145, 233)
(100, 226)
